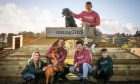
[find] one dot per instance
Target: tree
(9, 39)
(3, 37)
(25, 33)
(137, 33)
(123, 35)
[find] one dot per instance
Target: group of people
(82, 65)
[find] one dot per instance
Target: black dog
(69, 20)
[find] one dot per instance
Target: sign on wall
(67, 32)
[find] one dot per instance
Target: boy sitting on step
(104, 68)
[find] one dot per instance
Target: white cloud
(109, 26)
(15, 19)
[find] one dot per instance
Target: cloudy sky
(35, 15)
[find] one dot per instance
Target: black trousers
(103, 74)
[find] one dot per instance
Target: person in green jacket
(34, 69)
(104, 68)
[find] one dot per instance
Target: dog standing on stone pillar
(69, 20)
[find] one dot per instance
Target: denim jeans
(86, 70)
(35, 77)
(28, 76)
(96, 32)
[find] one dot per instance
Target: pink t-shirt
(82, 57)
(90, 17)
(63, 54)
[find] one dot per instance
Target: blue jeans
(85, 70)
(28, 76)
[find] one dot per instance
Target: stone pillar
(21, 40)
(13, 41)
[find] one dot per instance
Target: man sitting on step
(82, 62)
(58, 46)
(104, 67)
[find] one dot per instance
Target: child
(104, 67)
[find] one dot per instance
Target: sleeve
(97, 20)
(77, 15)
(33, 70)
(49, 52)
(43, 64)
(87, 58)
(75, 58)
(98, 64)
(25, 69)
(63, 57)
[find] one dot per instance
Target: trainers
(85, 40)
(92, 49)
(84, 81)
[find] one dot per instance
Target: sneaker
(92, 49)
(85, 40)
(84, 81)
(106, 81)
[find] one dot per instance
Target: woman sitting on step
(34, 69)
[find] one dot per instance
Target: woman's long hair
(37, 64)
(56, 42)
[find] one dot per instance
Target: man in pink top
(89, 18)
(82, 62)
(62, 51)
(59, 45)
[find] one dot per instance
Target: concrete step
(73, 77)
(96, 55)
(27, 50)
(120, 70)
(123, 73)
(21, 65)
(113, 78)
(115, 61)
(42, 47)
(70, 60)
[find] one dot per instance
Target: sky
(34, 15)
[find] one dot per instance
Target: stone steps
(115, 67)
(126, 65)
(115, 61)
(112, 54)
(18, 80)
(115, 79)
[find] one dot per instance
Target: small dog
(69, 20)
